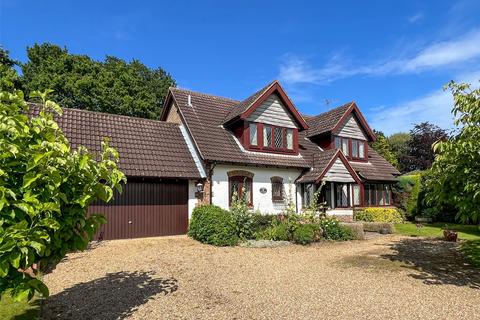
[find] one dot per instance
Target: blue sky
(391, 58)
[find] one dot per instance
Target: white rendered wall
(261, 179)
(192, 200)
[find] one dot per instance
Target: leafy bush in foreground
(45, 190)
(213, 225)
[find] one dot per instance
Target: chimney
(189, 103)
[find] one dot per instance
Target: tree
(420, 154)
(9, 79)
(455, 174)
(112, 86)
(399, 144)
(382, 146)
(45, 189)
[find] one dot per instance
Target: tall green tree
(399, 144)
(382, 146)
(9, 78)
(455, 174)
(45, 190)
(419, 155)
(112, 85)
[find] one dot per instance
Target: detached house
(205, 148)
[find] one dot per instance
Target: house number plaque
(263, 190)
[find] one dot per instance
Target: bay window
(356, 194)
(342, 195)
(377, 194)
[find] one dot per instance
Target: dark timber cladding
(146, 208)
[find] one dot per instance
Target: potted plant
(450, 235)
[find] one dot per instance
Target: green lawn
(471, 250)
(10, 309)
(465, 232)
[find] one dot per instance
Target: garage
(145, 208)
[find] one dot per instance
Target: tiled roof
(321, 161)
(377, 168)
(147, 148)
(205, 120)
(243, 106)
(326, 121)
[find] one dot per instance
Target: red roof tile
(147, 148)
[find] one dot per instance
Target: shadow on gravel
(115, 296)
(435, 262)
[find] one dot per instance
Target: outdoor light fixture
(199, 187)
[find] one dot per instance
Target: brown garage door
(145, 209)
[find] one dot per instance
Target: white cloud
(434, 107)
(415, 18)
(436, 55)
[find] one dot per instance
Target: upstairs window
(361, 150)
(267, 136)
(351, 148)
(354, 148)
(253, 134)
(289, 139)
(277, 138)
(345, 147)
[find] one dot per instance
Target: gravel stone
(387, 277)
(264, 244)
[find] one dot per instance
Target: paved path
(388, 277)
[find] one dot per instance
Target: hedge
(376, 214)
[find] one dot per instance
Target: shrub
(278, 232)
(46, 187)
(379, 215)
(212, 225)
(409, 187)
(332, 230)
(305, 233)
(262, 222)
(242, 217)
(357, 230)
(378, 227)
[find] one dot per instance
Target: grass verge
(471, 250)
(465, 232)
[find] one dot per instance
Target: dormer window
(277, 138)
(253, 134)
(353, 149)
(269, 138)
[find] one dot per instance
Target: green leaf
(4, 266)
(39, 286)
(30, 178)
(21, 295)
(15, 259)
(39, 247)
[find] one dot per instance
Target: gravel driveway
(388, 277)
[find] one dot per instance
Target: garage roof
(147, 148)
